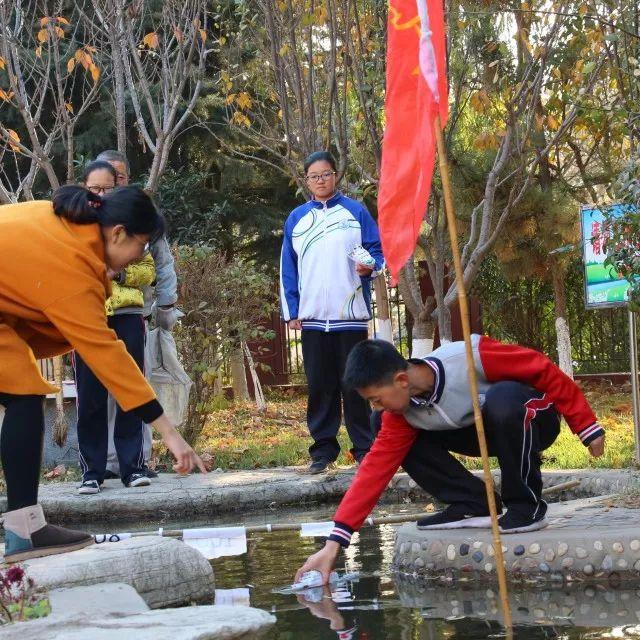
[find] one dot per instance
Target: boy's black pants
(325, 355)
(93, 429)
(518, 425)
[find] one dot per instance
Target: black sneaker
(455, 516)
(89, 487)
(150, 473)
(111, 475)
(514, 522)
(317, 466)
(137, 480)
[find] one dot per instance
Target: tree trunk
(422, 343)
(423, 323)
(444, 324)
(383, 315)
(239, 375)
(563, 336)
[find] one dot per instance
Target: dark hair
(96, 165)
(372, 362)
(317, 157)
(111, 155)
(129, 206)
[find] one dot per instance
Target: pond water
(380, 606)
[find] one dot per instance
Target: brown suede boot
(27, 535)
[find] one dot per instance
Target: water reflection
(383, 606)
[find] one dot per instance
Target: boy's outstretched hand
(596, 447)
(322, 561)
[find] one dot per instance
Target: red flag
(416, 93)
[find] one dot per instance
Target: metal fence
(397, 311)
(599, 338)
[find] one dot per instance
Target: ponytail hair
(128, 206)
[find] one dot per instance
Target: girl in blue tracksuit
(327, 295)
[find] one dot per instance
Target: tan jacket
(53, 288)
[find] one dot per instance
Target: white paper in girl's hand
(360, 255)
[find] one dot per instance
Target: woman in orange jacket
(54, 259)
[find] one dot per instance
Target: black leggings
(21, 448)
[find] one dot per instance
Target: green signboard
(604, 286)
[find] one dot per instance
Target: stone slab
(165, 572)
(217, 493)
(117, 611)
(587, 540)
(97, 600)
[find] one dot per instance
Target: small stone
(567, 562)
(534, 548)
(538, 613)
(617, 547)
(563, 547)
(451, 552)
(588, 570)
(544, 567)
(519, 550)
(581, 552)
(477, 544)
(634, 545)
(490, 551)
(609, 597)
(488, 567)
(415, 547)
(636, 565)
(590, 592)
(597, 545)
(623, 613)
(424, 546)
(607, 563)
(464, 549)
(436, 548)
(622, 563)
(404, 547)
(466, 568)
(603, 615)
(418, 563)
(478, 556)
(549, 555)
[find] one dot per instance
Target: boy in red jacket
(428, 414)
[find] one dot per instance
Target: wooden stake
(473, 380)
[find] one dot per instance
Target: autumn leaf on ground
(56, 472)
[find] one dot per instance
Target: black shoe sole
(48, 551)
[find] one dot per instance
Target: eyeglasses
(315, 177)
(99, 190)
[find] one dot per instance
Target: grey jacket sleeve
(166, 279)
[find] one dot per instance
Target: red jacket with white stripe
(450, 407)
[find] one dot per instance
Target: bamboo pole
(369, 522)
(473, 381)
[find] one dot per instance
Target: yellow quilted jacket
(129, 293)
